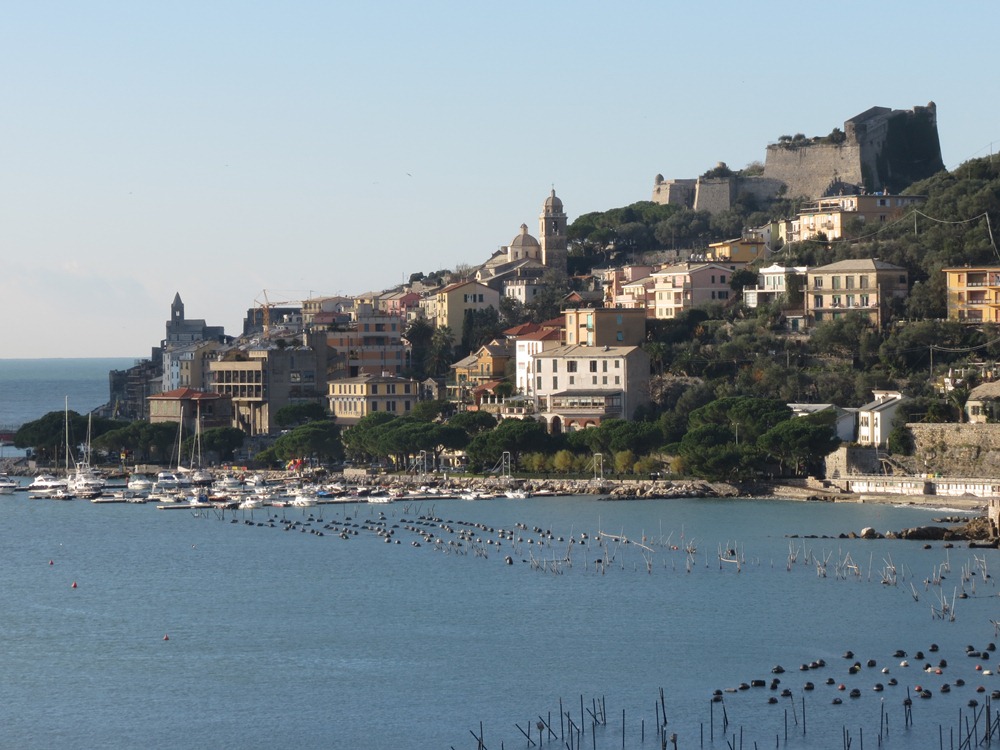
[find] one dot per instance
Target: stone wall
(848, 460)
(714, 195)
(810, 169)
(966, 450)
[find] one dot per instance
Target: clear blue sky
(217, 149)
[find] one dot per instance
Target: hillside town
(580, 333)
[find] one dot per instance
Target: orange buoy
(74, 585)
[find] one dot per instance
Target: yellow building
(830, 215)
(451, 303)
(747, 249)
(354, 398)
(973, 294)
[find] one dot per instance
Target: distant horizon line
(41, 359)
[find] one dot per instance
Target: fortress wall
(762, 188)
(968, 450)
(809, 170)
(714, 195)
(674, 193)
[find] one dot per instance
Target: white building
(875, 418)
(576, 387)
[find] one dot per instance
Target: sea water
(193, 628)
(31, 388)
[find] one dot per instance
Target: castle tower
(552, 233)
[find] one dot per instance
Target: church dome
(553, 203)
(524, 240)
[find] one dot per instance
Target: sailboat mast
(66, 429)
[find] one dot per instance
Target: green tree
(223, 441)
(801, 443)
(299, 413)
(315, 439)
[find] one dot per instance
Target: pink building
(688, 285)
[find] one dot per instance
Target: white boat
(46, 484)
(303, 501)
(7, 485)
(86, 482)
(227, 483)
(202, 477)
(380, 499)
(517, 494)
(251, 502)
(168, 480)
(139, 483)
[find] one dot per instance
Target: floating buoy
(74, 585)
(51, 563)
(166, 637)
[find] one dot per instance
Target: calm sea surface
(285, 638)
(31, 388)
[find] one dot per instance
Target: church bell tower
(552, 233)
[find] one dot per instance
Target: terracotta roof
(522, 329)
(547, 334)
(187, 394)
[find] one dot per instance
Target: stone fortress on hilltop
(880, 149)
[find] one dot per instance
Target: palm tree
(440, 352)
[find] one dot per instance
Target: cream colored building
(354, 398)
(865, 286)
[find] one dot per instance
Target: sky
(220, 149)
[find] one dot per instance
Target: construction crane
(265, 309)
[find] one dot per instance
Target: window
(619, 319)
(571, 366)
(818, 300)
(618, 380)
(555, 365)
(620, 336)
(374, 406)
(863, 282)
(593, 365)
(818, 282)
(835, 282)
(848, 282)
(604, 380)
(722, 279)
(594, 380)
(538, 382)
(555, 382)
(572, 379)
(604, 366)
